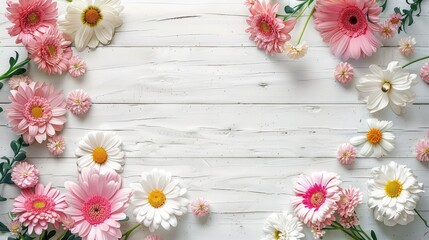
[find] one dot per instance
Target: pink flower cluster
(319, 198)
(390, 26)
(35, 25)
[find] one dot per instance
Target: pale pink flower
(50, 51)
(30, 18)
(350, 198)
(349, 221)
(56, 145)
(316, 197)
(269, 33)
(37, 111)
(406, 45)
(77, 67)
(25, 175)
(346, 154)
(68, 222)
(250, 3)
(344, 72)
(422, 150)
(395, 20)
(78, 102)
(387, 30)
(37, 208)
(97, 203)
(424, 72)
(16, 80)
(317, 232)
(15, 227)
(200, 207)
(295, 52)
(348, 26)
(152, 237)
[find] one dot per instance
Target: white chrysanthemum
(391, 86)
(158, 200)
(89, 22)
(377, 141)
(282, 226)
(393, 194)
(295, 52)
(100, 150)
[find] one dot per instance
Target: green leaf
(12, 238)
(1, 109)
(12, 61)
(5, 158)
(5, 166)
(20, 156)
(411, 20)
(18, 71)
(8, 178)
(373, 235)
(2, 199)
(1, 85)
(397, 10)
(414, 7)
(3, 228)
(14, 146)
(50, 235)
(288, 9)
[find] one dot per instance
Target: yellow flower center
(393, 188)
(91, 16)
(374, 135)
(317, 199)
(37, 111)
(265, 27)
(99, 155)
(427, 151)
(277, 235)
(33, 18)
(386, 87)
(39, 204)
(156, 198)
(52, 51)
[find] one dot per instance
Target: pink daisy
(346, 154)
(395, 20)
(25, 175)
(317, 232)
(250, 3)
(39, 207)
(424, 72)
(15, 227)
(68, 223)
(422, 150)
(97, 204)
(349, 221)
(269, 33)
(316, 197)
(407, 45)
(37, 111)
(50, 51)
(16, 80)
(77, 67)
(344, 72)
(200, 207)
(56, 145)
(348, 26)
(30, 18)
(387, 30)
(78, 102)
(350, 198)
(152, 237)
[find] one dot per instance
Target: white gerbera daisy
(377, 141)
(393, 194)
(282, 226)
(100, 150)
(89, 22)
(391, 86)
(158, 200)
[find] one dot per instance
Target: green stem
(127, 233)
(421, 217)
(303, 10)
(350, 235)
(42, 236)
(364, 233)
(2, 179)
(7, 75)
(358, 232)
(62, 235)
(305, 25)
(417, 60)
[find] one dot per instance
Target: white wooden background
(188, 92)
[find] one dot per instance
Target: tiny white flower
(295, 52)
(406, 45)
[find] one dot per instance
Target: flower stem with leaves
(407, 14)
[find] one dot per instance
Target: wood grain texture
(188, 92)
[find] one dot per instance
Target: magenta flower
(344, 72)
(37, 111)
(200, 207)
(78, 102)
(422, 150)
(56, 145)
(25, 175)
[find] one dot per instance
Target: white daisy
(100, 150)
(158, 200)
(377, 141)
(89, 22)
(393, 194)
(391, 86)
(282, 226)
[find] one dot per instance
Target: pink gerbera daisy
(424, 72)
(31, 18)
(97, 204)
(316, 198)
(77, 67)
(344, 72)
(50, 51)
(346, 154)
(25, 175)
(39, 207)
(78, 102)
(269, 33)
(350, 198)
(348, 26)
(56, 145)
(16, 80)
(200, 207)
(37, 111)
(422, 150)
